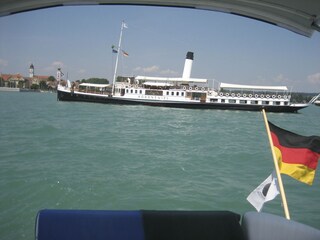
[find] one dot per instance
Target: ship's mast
(123, 25)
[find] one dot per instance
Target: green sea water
(66, 155)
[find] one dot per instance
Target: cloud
(54, 66)
(151, 69)
(281, 79)
(154, 70)
(314, 78)
(169, 72)
(57, 64)
(81, 71)
(3, 63)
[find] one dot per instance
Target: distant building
(33, 81)
(31, 71)
(14, 81)
(36, 79)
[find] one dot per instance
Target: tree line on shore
(94, 80)
(299, 97)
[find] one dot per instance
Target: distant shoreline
(7, 89)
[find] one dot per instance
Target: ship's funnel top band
(189, 55)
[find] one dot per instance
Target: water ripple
(94, 156)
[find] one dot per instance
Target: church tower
(31, 71)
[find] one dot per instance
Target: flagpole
(117, 59)
(276, 166)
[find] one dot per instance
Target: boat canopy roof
(165, 79)
(94, 85)
(253, 87)
(160, 84)
(302, 17)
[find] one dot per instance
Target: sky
(227, 48)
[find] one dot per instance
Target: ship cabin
(254, 95)
(157, 88)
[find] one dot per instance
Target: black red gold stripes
(297, 155)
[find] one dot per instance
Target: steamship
(184, 92)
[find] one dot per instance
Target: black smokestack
(189, 55)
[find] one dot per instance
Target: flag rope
(281, 188)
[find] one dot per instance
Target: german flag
(297, 155)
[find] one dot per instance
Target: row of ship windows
(248, 101)
(135, 91)
(177, 93)
(167, 93)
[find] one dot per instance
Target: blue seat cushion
(89, 224)
(137, 225)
